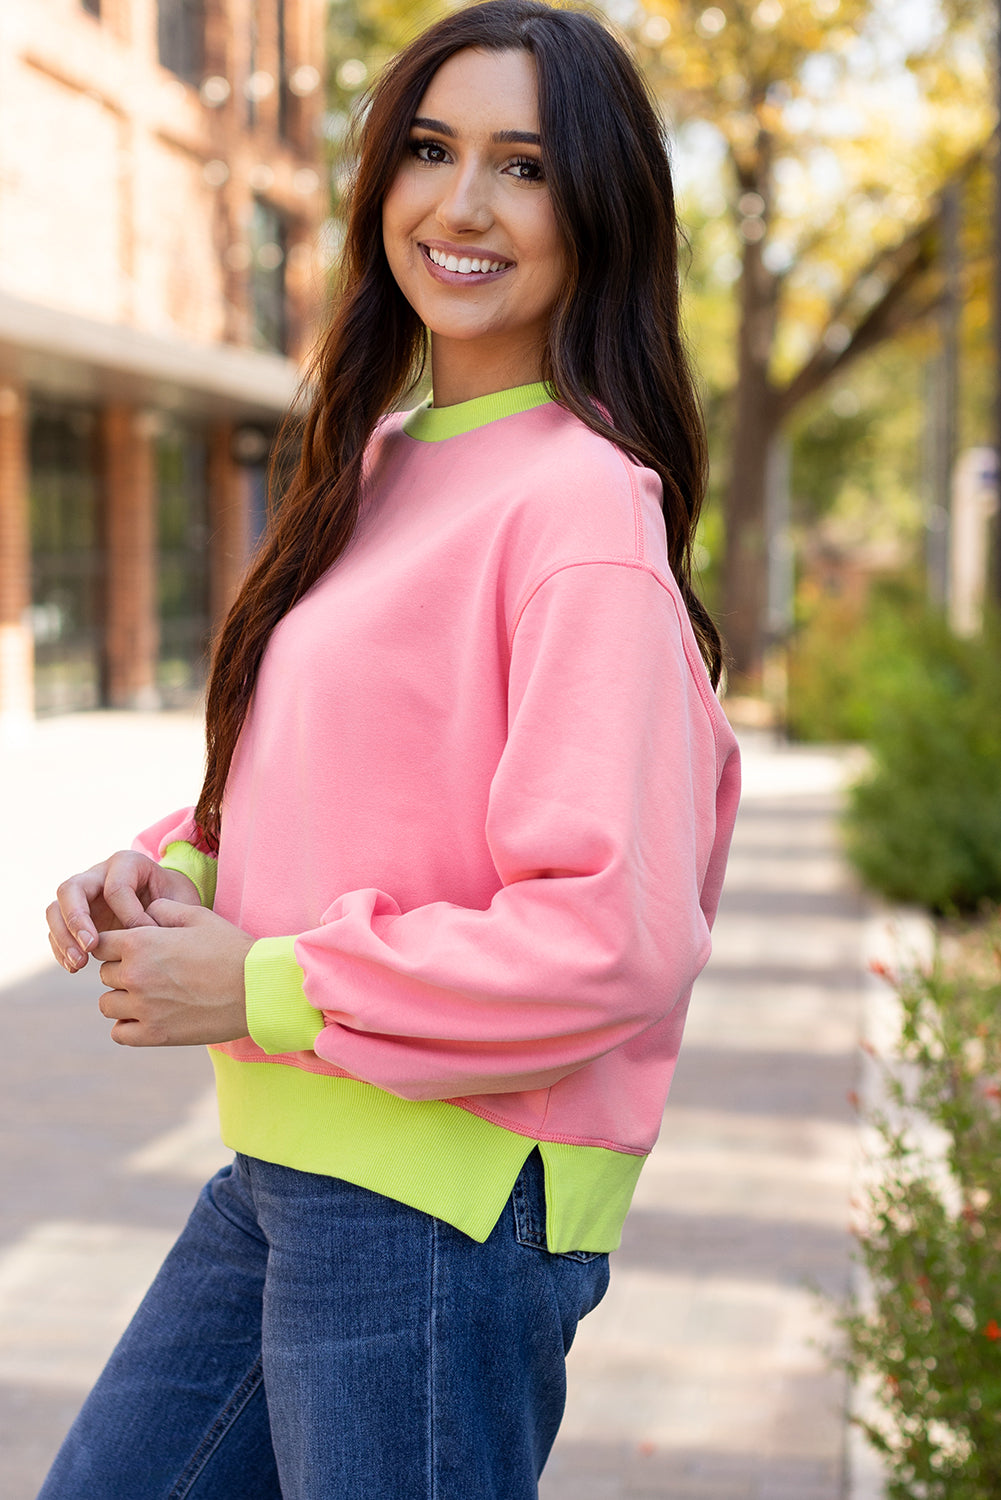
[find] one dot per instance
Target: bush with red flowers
(926, 1331)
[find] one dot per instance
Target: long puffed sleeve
(602, 826)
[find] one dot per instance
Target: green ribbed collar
(432, 424)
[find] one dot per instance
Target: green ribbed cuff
(200, 868)
(279, 1017)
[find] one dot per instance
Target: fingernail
(74, 956)
(84, 939)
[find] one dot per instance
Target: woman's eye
(431, 153)
(527, 169)
(428, 151)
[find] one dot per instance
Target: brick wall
(130, 530)
(16, 696)
(129, 198)
(126, 198)
(228, 519)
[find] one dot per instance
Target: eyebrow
(505, 137)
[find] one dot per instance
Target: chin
(462, 333)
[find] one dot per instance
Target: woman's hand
(178, 983)
(114, 894)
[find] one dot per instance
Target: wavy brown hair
(615, 355)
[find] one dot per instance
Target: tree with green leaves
(840, 123)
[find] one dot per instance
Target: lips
(467, 265)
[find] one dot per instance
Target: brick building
(160, 198)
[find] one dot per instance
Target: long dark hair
(615, 355)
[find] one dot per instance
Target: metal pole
(946, 401)
(994, 583)
(781, 576)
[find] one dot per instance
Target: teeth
(464, 264)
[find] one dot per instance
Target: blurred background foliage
(922, 1321)
(924, 825)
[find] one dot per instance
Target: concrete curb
(892, 935)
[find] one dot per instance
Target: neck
(462, 371)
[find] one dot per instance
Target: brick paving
(702, 1375)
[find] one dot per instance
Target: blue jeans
(310, 1340)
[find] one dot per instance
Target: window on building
(284, 97)
(268, 243)
(284, 94)
(181, 38)
(182, 562)
(253, 29)
(251, 448)
(67, 561)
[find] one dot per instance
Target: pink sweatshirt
(478, 818)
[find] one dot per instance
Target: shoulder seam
(599, 559)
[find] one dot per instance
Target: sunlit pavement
(703, 1374)
(101, 1150)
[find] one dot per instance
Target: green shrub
(925, 825)
(929, 1333)
(845, 658)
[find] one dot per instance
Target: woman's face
(468, 224)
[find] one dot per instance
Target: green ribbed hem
(588, 1193)
(434, 1156)
(279, 1017)
(200, 868)
(432, 424)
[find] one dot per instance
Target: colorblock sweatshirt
(477, 820)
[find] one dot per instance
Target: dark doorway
(183, 562)
(67, 562)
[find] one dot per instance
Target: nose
(465, 202)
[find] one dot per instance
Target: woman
(462, 834)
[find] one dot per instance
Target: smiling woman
(468, 800)
(469, 228)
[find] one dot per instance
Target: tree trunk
(745, 567)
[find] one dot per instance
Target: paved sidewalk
(72, 790)
(101, 1150)
(701, 1376)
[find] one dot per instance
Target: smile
(465, 265)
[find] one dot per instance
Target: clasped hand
(173, 970)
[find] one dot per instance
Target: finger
(74, 898)
(167, 913)
(111, 975)
(109, 946)
(121, 887)
(126, 1033)
(62, 941)
(132, 1033)
(117, 1005)
(62, 959)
